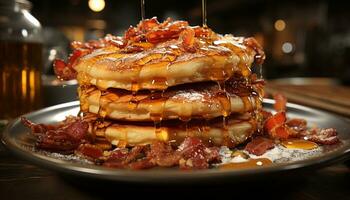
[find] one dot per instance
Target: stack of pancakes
(166, 92)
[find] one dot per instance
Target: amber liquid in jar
(20, 78)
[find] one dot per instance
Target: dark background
(317, 31)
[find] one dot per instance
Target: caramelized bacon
(259, 145)
(275, 126)
(37, 129)
(135, 153)
(65, 71)
(274, 121)
(65, 137)
(89, 151)
(297, 125)
(144, 163)
(158, 36)
(266, 114)
(132, 33)
(148, 24)
(163, 155)
(260, 54)
(116, 158)
(152, 32)
(326, 136)
(280, 102)
(194, 154)
(188, 39)
(202, 32)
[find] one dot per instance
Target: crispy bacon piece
(274, 121)
(259, 145)
(123, 158)
(201, 32)
(266, 114)
(65, 71)
(188, 39)
(133, 34)
(177, 26)
(325, 136)
(260, 54)
(275, 126)
(281, 132)
(65, 137)
(37, 129)
(149, 30)
(144, 163)
(163, 155)
(280, 102)
(116, 158)
(191, 154)
(97, 44)
(135, 153)
(89, 151)
(196, 155)
(154, 32)
(296, 126)
(148, 24)
(160, 35)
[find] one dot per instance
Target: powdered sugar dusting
(279, 154)
(189, 96)
(66, 157)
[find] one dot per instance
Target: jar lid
(24, 4)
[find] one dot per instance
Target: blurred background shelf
(321, 93)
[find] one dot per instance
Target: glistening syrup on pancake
(113, 99)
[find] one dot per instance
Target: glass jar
(20, 60)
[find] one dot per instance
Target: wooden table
(22, 180)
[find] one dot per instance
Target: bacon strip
(194, 154)
(65, 137)
(280, 102)
(327, 136)
(275, 126)
(89, 151)
(163, 155)
(259, 145)
(147, 31)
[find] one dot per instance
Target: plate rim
(164, 175)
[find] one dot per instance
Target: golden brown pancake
(202, 100)
(236, 130)
(165, 64)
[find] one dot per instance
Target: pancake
(202, 100)
(166, 64)
(236, 130)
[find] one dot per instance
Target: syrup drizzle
(299, 144)
(204, 13)
(259, 162)
(143, 14)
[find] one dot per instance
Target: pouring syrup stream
(204, 13)
(143, 14)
